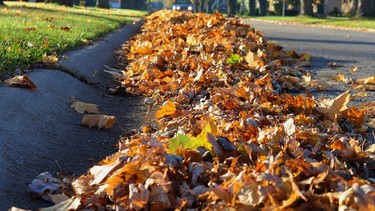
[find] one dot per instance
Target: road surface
(349, 48)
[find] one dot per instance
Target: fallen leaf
(138, 196)
(365, 81)
(66, 28)
(339, 77)
(167, 109)
(252, 59)
(336, 105)
(49, 61)
(315, 85)
(99, 121)
(58, 198)
(44, 184)
(334, 64)
(22, 81)
(69, 204)
(82, 107)
(354, 69)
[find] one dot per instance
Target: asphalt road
(349, 48)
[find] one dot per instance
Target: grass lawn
(29, 30)
(364, 23)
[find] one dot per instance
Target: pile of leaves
(228, 134)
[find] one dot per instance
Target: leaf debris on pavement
(229, 135)
(21, 81)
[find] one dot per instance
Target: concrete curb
(87, 64)
(40, 132)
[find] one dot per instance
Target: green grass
(362, 23)
(29, 30)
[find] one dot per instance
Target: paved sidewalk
(40, 132)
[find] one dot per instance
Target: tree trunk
(209, 5)
(358, 11)
(242, 7)
(231, 7)
(196, 5)
(306, 7)
(68, 3)
(202, 3)
(103, 4)
(263, 7)
(252, 7)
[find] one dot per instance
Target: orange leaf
(167, 109)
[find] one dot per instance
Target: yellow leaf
(82, 107)
(339, 77)
(167, 109)
(99, 121)
(354, 69)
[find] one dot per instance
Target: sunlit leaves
(234, 58)
(189, 142)
(226, 134)
(167, 109)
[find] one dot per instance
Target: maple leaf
(335, 106)
(21, 81)
(252, 59)
(190, 142)
(167, 109)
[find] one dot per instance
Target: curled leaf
(21, 81)
(96, 120)
(82, 107)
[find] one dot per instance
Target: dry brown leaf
(336, 105)
(21, 81)
(69, 204)
(252, 59)
(49, 61)
(365, 81)
(366, 87)
(315, 85)
(138, 196)
(369, 107)
(82, 107)
(96, 120)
